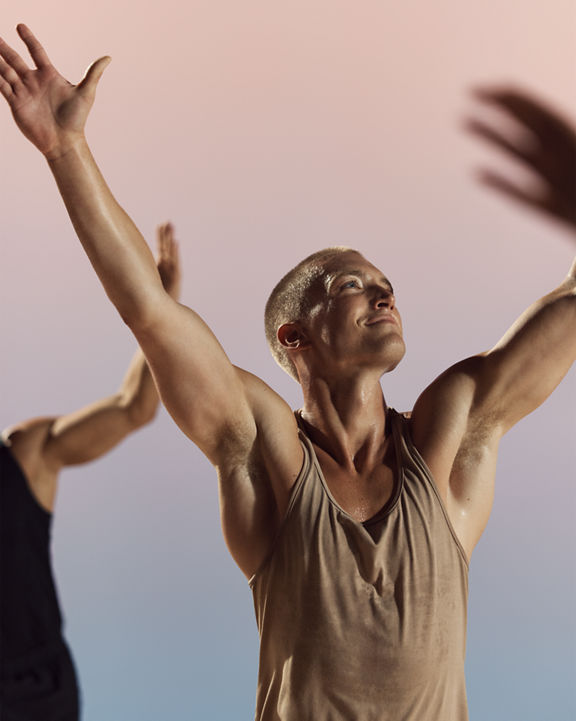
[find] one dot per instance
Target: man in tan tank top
(353, 523)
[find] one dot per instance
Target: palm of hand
(47, 106)
(50, 111)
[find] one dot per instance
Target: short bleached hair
(289, 302)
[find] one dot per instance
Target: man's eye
(350, 284)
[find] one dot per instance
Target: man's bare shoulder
(279, 446)
(452, 389)
(263, 400)
(27, 442)
(27, 439)
(276, 424)
(255, 479)
(442, 414)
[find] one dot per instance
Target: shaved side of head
(289, 302)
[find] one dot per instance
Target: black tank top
(30, 619)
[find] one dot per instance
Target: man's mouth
(381, 318)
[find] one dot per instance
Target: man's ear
(292, 336)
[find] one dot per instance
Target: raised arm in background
(43, 446)
(237, 421)
(476, 401)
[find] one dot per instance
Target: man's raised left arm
(460, 418)
(525, 366)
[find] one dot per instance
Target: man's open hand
(168, 259)
(50, 111)
(544, 142)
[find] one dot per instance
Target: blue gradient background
(266, 131)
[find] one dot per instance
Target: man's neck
(346, 419)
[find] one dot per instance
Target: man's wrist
(73, 144)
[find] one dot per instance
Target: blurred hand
(168, 260)
(551, 156)
(50, 111)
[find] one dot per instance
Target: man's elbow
(136, 317)
(145, 311)
(139, 414)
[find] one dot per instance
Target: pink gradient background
(265, 131)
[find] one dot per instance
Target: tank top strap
(418, 472)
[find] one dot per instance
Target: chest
(361, 494)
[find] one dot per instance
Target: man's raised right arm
(239, 423)
(189, 365)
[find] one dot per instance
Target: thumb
(91, 77)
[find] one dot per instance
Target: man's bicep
(198, 384)
(254, 489)
(531, 359)
(458, 440)
(441, 416)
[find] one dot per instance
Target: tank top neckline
(397, 472)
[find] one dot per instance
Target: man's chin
(391, 366)
(393, 354)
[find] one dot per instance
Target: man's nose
(384, 299)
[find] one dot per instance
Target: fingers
(168, 261)
(6, 89)
(166, 243)
(37, 52)
(13, 69)
(518, 144)
(484, 131)
(87, 86)
(532, 113)
(174, 254)
(161, 233)
(9, 79)
(513, 191)
(12, 59)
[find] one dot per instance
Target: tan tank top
(363, 621)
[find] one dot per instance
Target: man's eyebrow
(346, 271)
(360, 273)
(332, 277)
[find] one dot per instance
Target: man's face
(353, 320)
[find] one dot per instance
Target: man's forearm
(138, 393)
(115, 247)
(94, 430)
(52, 112)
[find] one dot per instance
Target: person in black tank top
(37, 675)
